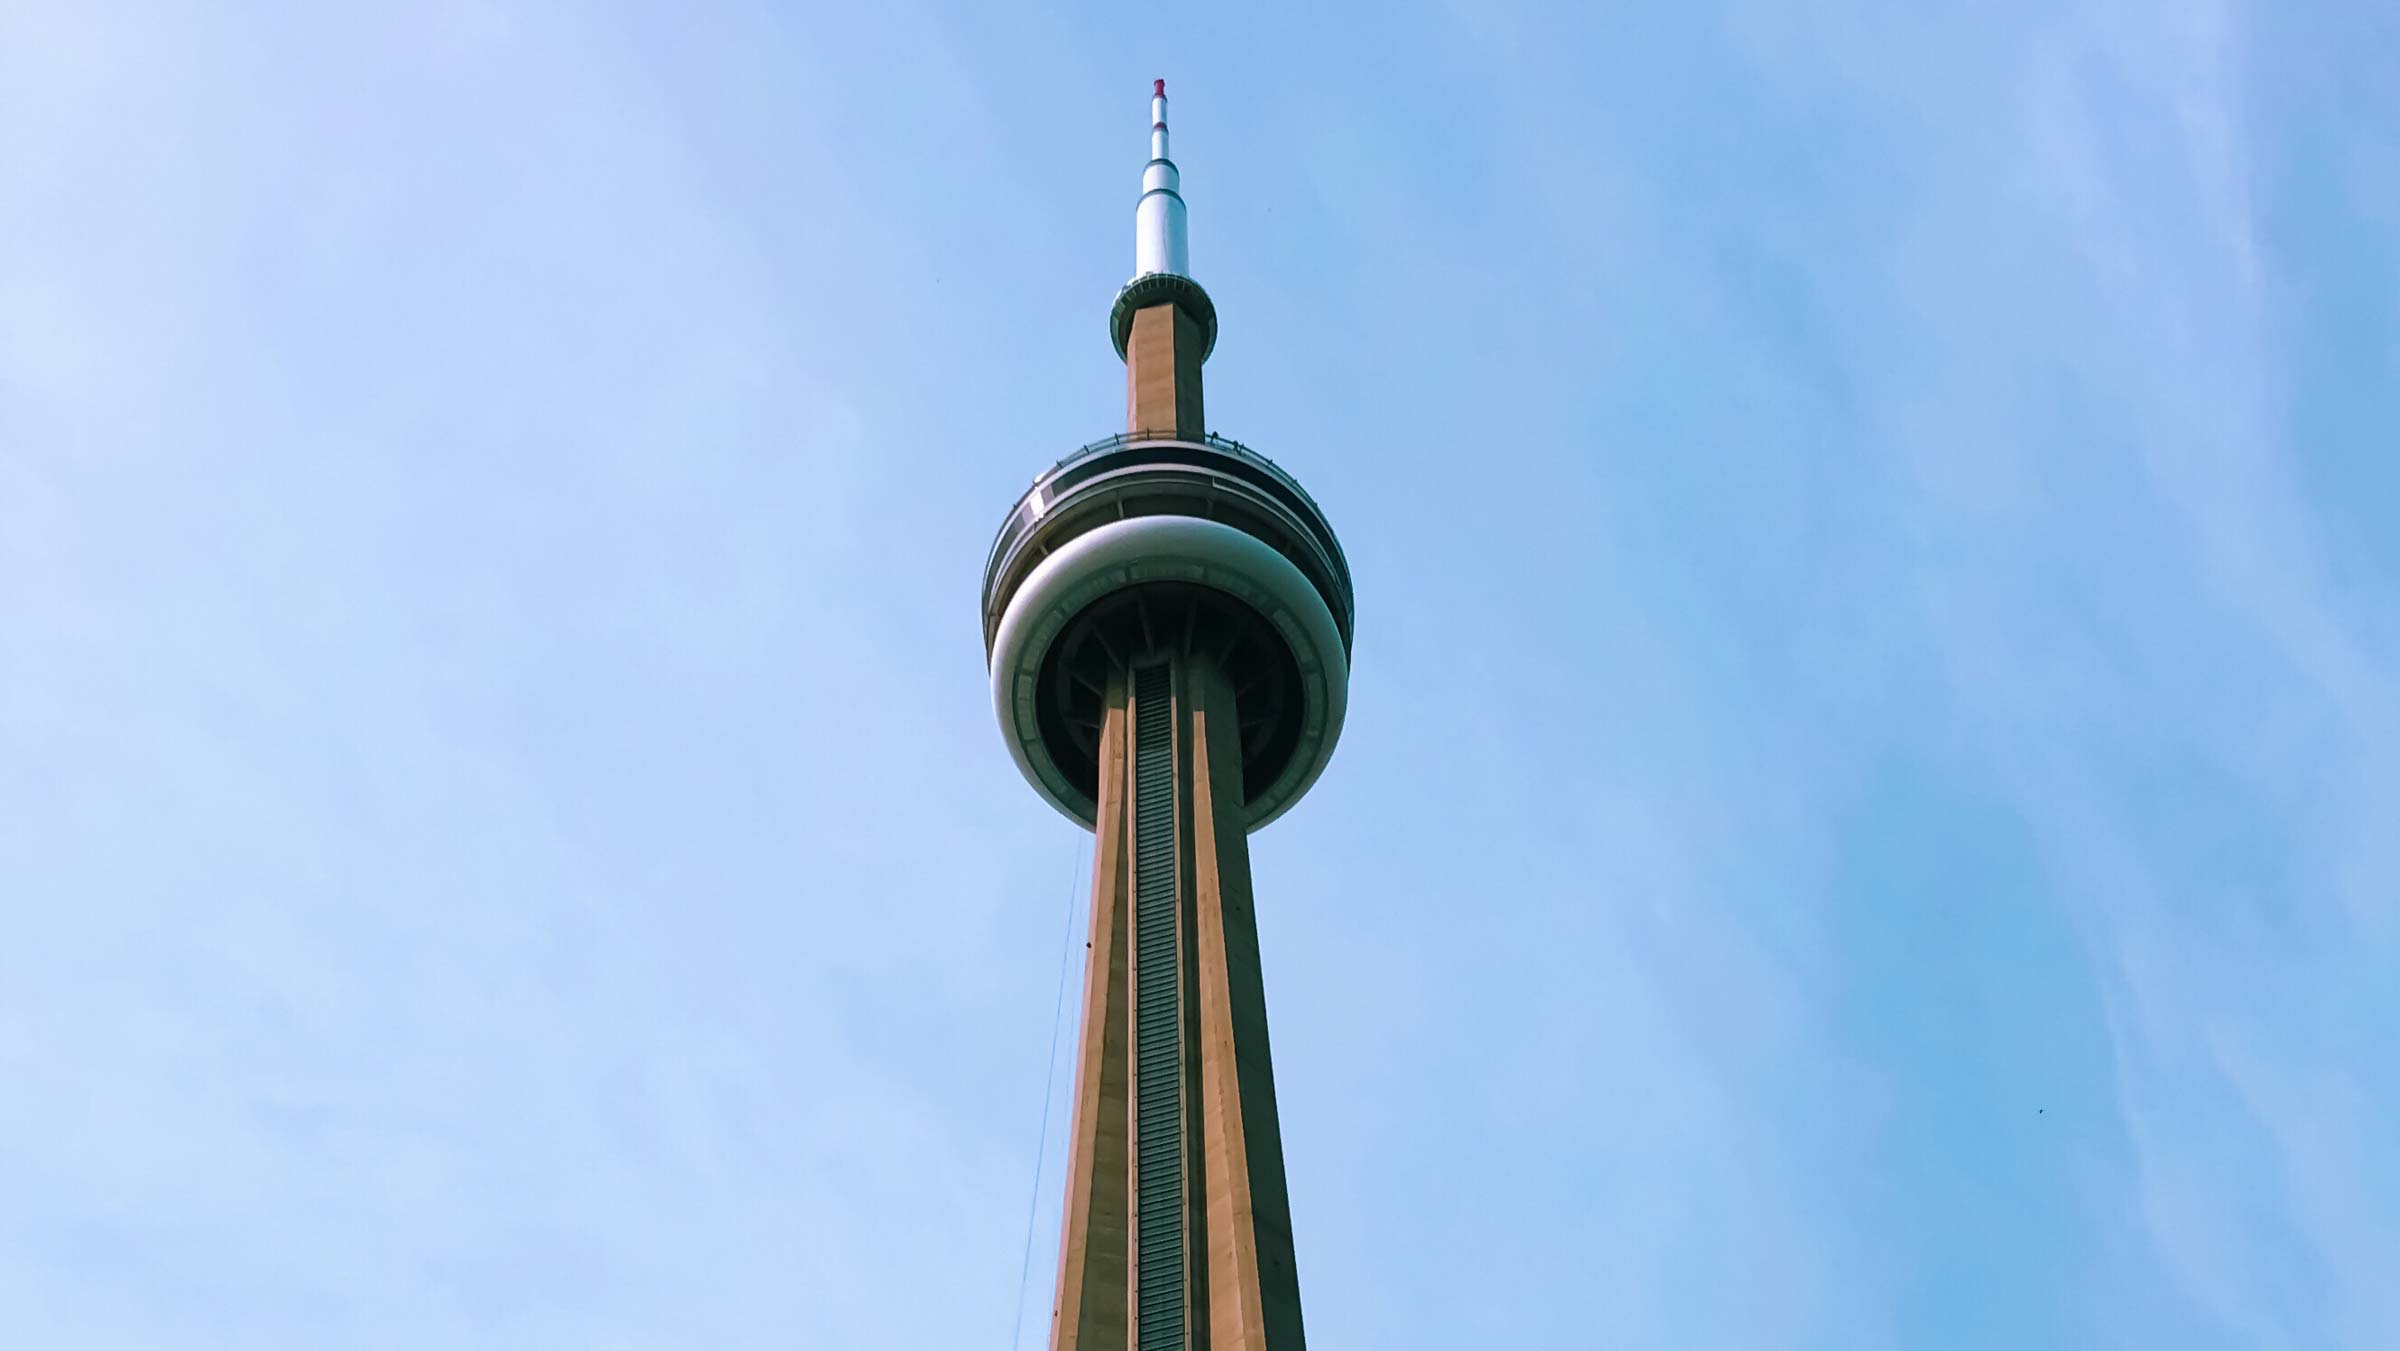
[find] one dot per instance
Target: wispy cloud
(2207, 784)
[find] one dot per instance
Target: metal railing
(1223, 445)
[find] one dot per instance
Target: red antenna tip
(1158, 89)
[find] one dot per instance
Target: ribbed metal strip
(1157, 1028)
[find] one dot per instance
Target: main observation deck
(1147, 541)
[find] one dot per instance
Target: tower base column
(1175, 1007)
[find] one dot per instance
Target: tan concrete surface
(1253, 1284)
(1162, 372)
(1095, 1237)
(1242, 1286)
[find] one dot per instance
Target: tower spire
(1162, 280)
(1159, 238)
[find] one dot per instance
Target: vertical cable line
(1041, 1138)
(1157, 1023)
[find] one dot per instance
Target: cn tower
(1167, 618)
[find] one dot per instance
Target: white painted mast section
(1159, 242)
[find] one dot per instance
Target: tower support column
(1178, 1225)
(1096, 1232)
(1253, 1289)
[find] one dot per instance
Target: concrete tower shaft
(1177, 1234)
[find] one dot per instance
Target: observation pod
(1151, 544)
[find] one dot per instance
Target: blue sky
(1867, 815)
